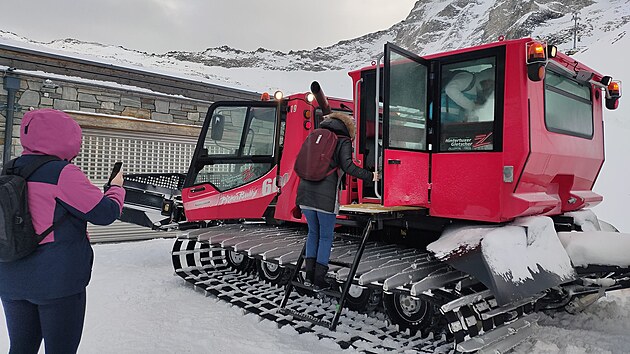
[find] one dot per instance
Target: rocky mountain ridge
(435, 26)
(431, 26)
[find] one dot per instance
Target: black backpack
(17, 234)
(316, 155)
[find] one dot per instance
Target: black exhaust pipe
(322, 101)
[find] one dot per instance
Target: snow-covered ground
(137, 305)
(604, 327)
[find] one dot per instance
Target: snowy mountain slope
(612, 183)
(431, 26)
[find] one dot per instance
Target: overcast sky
(194, 25)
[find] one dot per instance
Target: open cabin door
(405, 118)
(234, 169)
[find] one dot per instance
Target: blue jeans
(321, 227)
(58, 321)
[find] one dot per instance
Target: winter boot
(310, 271)
(320, 277)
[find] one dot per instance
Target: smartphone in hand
(114, 173)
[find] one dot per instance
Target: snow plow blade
(515, 261)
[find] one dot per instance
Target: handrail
(356, 119)
(378, 87)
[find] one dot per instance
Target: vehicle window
(246, 132)
(467, 105)
(568, 106)
(407, 103)
(260, 132)
(319, 115)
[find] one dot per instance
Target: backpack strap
(340, 139)
(7, 169)
(52, 227)
(26, 171)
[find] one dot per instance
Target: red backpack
(316, 154)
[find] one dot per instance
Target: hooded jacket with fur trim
(62, 264)
(323, 195)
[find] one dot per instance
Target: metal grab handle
(377, 98)
(356, 119)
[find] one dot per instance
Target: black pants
(58, 321)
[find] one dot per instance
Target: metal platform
(372, 208)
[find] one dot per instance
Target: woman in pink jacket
(43, 294)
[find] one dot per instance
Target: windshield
(238, 147)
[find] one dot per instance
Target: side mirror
(217, 126)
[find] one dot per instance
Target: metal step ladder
(372, 217)
(341, 296)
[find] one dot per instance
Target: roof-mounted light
(536, 60)
(264, 96)
(552, 51)
(614, 89)
(278, 95)
(613, 93)
(310, 97)
(536, 52)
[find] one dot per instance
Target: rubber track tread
(256, 296)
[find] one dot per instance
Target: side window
(407, 104)
(260, 132)
(568, 106)
(467, 105)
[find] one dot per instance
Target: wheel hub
(409, 305)
(271, 267)
(236, 258)
(355, 291)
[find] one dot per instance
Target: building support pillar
(11, 85)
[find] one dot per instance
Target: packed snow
(136, 304)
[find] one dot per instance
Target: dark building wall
(70, 84)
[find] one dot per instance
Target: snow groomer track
(200, 257)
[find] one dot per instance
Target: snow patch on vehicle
(516, 251)
(524, 248)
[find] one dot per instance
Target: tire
(273, 273)
(238, 261)
(362, 299)
(409, 312)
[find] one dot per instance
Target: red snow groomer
(488, 157)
